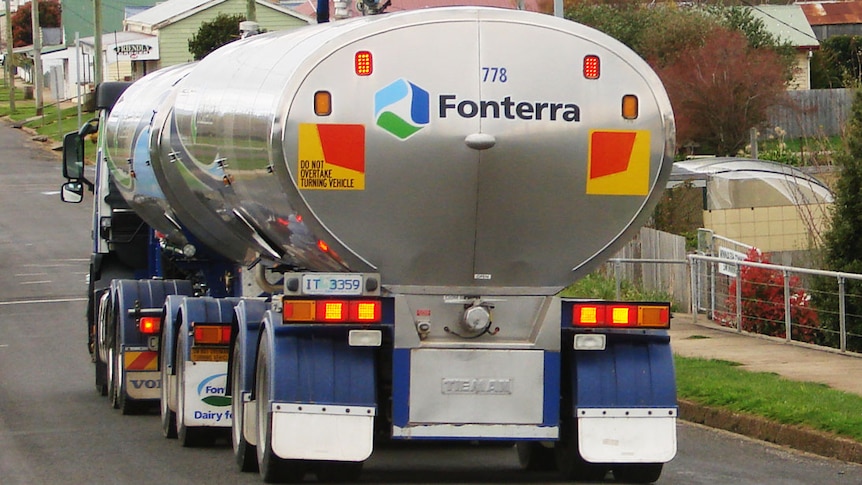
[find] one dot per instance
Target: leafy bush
(763, 309)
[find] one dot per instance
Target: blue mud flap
(323, 394)
(625, 400)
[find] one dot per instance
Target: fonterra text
(509, 109)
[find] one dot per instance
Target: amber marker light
(322, 103)
(630, 107)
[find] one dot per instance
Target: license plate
(332, 284)
(209, 354)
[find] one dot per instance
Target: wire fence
(810, 306)
(734, 285)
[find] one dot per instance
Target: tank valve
(475, 322)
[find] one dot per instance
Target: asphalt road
(55, 428)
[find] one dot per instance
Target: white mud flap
(322, 432)
(627, 435)
(205, 400)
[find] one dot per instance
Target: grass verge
(49, 124)
(723, 384)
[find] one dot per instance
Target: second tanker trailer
(357, 231)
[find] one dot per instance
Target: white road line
(28, 302)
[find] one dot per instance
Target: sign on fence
(729, 269)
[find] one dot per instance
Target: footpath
(703, 339)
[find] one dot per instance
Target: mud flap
(625, 400)
(323, 396)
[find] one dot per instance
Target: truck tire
(168, 416)
(638, 472)
(244, 454)
(111, 367)
(338, 471)
(272, 468)
(570, 463)
(117, 385)
(188, 436)
(532, 456)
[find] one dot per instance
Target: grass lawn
(722, 384)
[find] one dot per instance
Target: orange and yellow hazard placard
(618, 162)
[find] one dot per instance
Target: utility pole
(97, 42)
(9, 59)
(250, 11)
(37, 56)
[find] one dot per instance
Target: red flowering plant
(763, 309)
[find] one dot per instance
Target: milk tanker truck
(351, 232)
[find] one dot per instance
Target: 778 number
(494, 75)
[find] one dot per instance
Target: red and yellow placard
(141, 361)
(331, 157)
(618, 162)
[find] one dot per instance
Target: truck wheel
(111, 368)
(532, 456)
(189, 436)
(338, 471)
(570, 463)
(244, 454)
(638, 473)
(272, 468)
(169, 418)
(101, 377)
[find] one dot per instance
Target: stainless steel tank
(455, 150)
(126, 150)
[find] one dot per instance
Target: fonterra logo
(403, 108)
(211, 391)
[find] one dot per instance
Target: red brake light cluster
(212, 334)
(150, 325)
(363, 63)
(331, 311)
(620, 315)
(592, 67)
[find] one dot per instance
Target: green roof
(788, 23)
(78, 16)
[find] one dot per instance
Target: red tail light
(212, 334)
(331, 311)
(150, 325)
(592, 67)
(620, 315)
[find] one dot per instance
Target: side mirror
(73, 156)
(72, 192)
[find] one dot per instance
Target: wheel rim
(262, 397)
(236, 401)
(178, 363)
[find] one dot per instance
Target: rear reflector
(150, 325)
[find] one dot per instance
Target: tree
(719, 91)
(842, 244)
(838, 63)
(22, 23)
(715, 106)
(222, 30)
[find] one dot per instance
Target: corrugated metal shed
(832, 13)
